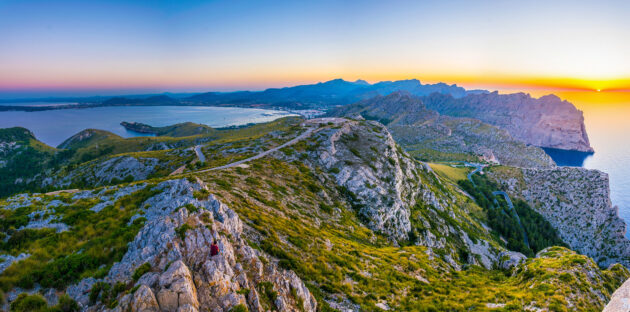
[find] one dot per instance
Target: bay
(54, 126)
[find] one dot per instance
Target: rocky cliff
(546, 122)
(576, 201)
(394, 194)
(429, 135)
(168, 266)
(175, 243)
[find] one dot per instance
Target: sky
(117, 47)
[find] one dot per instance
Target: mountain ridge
(546, 121)
(345, 213)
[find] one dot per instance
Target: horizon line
(511, 85)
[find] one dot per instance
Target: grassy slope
(452, 174)
(102, 145)
(58, 259)
(23, 160)
(184, 129)
(331, 250)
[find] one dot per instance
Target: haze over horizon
(119, 47)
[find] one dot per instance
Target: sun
(599, 90)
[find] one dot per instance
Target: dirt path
(302, 136)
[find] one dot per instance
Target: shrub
(239, 308)
(269, 295)
(20, 240)
(141, 270)
(96, 290)
(201, 194)
(181, 231)
(66, 304)
(191, 208)
(60, 272)
(29, 303)
(325, 208)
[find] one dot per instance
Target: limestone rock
(620, 301)
(386, 186)
(184, 277)
(418, 128)
(144, 300)
(510, 259)
(576, 201)
(547, 121)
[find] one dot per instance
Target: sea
(54, 126)
(606, 114)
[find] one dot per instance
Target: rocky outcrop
(576, 202)
(119, 168)
(7, 260)
(419, 129)
(510, 259)
(183, 276)
(379, 187)
(620, 301)
(391, 192)
(546, 122)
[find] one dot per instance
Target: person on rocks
(214, 248)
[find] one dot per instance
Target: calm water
(36, 103)
(54, 126)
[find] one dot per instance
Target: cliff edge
(547, 121)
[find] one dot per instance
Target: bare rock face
(620, 301)
(380, 186)
(116, 168)
(388, 189)
(576, 201)
(183, 276)
(144, 300)
(546, 122)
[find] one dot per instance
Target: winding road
(518, 219)
(200, 155)
(478, 168)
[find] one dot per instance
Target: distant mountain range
(327, 94)
(319, 96)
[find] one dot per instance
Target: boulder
(144, 300)
(510, 259)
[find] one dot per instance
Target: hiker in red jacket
(214, 248)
